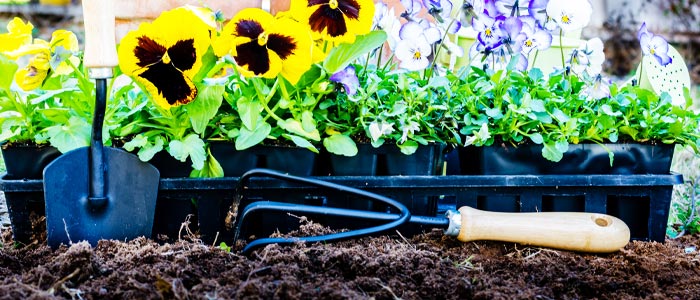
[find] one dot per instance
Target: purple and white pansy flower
(439, 9)
(654, 46)
(412, 8)
(535, 38)
(599, 89)
(588, 58)
(511, 8)
(348, 78)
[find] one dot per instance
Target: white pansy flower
(407, 129)
(413, 54)
(570, 15)
(378, 129)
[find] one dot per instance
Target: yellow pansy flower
(164, 56)
(264, 46)
(33, 75)
(18, 34)
(337, 21)
(68, 41)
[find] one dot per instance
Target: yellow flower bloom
(337, 21)
(265, 46)
(67, 40)
(18, 34)
(33, 75)
(164, 56)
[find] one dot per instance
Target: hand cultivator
(585, 232)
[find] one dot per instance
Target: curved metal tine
(404, 213)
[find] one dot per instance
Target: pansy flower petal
(18, 34)
(32, 76)
(337, 21)
(266, 46)
(165, 55)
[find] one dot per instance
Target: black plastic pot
(27, 161)
(169, 167)
(642, 201)
(388, 160)
(292, 160)
(580, 159)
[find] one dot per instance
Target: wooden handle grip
(100, 45)
(585, 232)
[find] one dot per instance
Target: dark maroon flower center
(331, 20)
(167, 77)
(256, 56)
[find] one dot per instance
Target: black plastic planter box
(642, 201)
(579, 159)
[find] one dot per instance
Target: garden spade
(98, 192)
(575, 231)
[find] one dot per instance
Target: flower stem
(266, 99)
(561, 47)
(429, 74)
(534, 60)
(641, 69)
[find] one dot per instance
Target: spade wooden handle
(585, 232)
(100, 45)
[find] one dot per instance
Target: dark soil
(428, 266)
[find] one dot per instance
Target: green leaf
(205, 106)
(551, 152)
(608, 111)
(537, 105)
(137, 142)
(295, 127)
(536, 138)
(339, 144)
(344, 54)
(247, 138)
(560, 116)
(212, 168)
(7, 72)
(310, 76)
(301, 142)
(71, 136)
(8, 133)
(208, 62)
(191, 146)
(408, 147)
(535, 74)
(307, 121)
(149, 150)
(249, 111)
(51, 94)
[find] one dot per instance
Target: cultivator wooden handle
(100, 46)
(585, 232)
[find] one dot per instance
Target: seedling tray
(642, 201)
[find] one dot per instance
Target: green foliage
(521, 107)
(685, 218)
(57, 113)
(344, 54)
